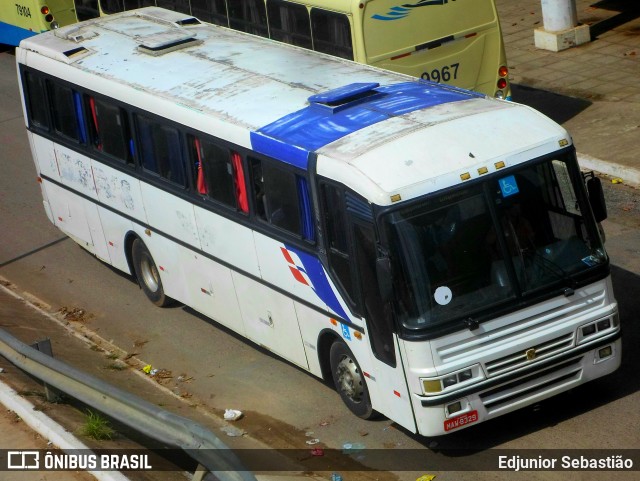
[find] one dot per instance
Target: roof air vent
(345, 96)
(167, 41)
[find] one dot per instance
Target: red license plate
(460, 421)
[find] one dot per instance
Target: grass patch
(116, 366)
(97, 427)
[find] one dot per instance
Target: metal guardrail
(201, 444)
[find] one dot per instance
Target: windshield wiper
(558, 272)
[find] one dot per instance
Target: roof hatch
(167, 41)
(345, 96)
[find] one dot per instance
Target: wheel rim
(349, 379)
(150, 275)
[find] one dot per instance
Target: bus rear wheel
(349, 381)
(148, 275)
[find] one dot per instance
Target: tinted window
(377, 313)
(289, 23)
(181, 6)
(114, 6)
(109, 128)
(212, 11)
(36, 100)
(331, 33)
(214, 171)
(66, 111)
(248, 16)
(276, 196)
(337, 236)
(160, 150)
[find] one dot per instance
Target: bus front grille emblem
(531, 354)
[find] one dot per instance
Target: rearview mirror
(596, 199)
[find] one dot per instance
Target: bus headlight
(452, 381)
(592, 330)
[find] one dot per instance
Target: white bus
(432, 250)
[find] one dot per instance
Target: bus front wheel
(148, 275)
(349, 381)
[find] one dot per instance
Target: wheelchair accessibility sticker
(345, 332)
(508, 186)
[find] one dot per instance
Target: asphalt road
(285, 402)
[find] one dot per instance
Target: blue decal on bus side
(320, 283)
(345, 332)
(398, 12)
(292, 137)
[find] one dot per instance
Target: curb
(49, 429)
(629, 175)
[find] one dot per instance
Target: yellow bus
(457, 42)
(20, 19)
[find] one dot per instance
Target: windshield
(496, 242)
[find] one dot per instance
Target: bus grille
(519, 359)
(539, 382)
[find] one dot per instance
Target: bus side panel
(270, 319)
(311, 323)
(119, 191)
(298, 273)
(45, 162)
(227, 240)
(211, 290)
(44, 156)
(95, 230)
(177, 221)
(75, 171)
(393, 398)
(68, 210)
(115, 228)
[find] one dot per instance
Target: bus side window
(67, 112)
(109, 128)
(248, 16)
(214, 171)
(289, 23)
(36, 101)
(211, 11)
(337, 237)
(275, 193)
(376, 312)
(112, 6)
(160, 150)
(331, 33)
(181, 6)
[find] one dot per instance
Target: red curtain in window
(200, 183)
(241, 189)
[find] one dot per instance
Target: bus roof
(379, 132)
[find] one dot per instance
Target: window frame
(260, 214)
(93, 130)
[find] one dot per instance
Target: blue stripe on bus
(320, 284)
(306, 212)
(293, 137)
(12, 35)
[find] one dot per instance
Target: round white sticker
(443, 295)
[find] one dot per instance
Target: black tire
(147, 274)
(349, 381)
